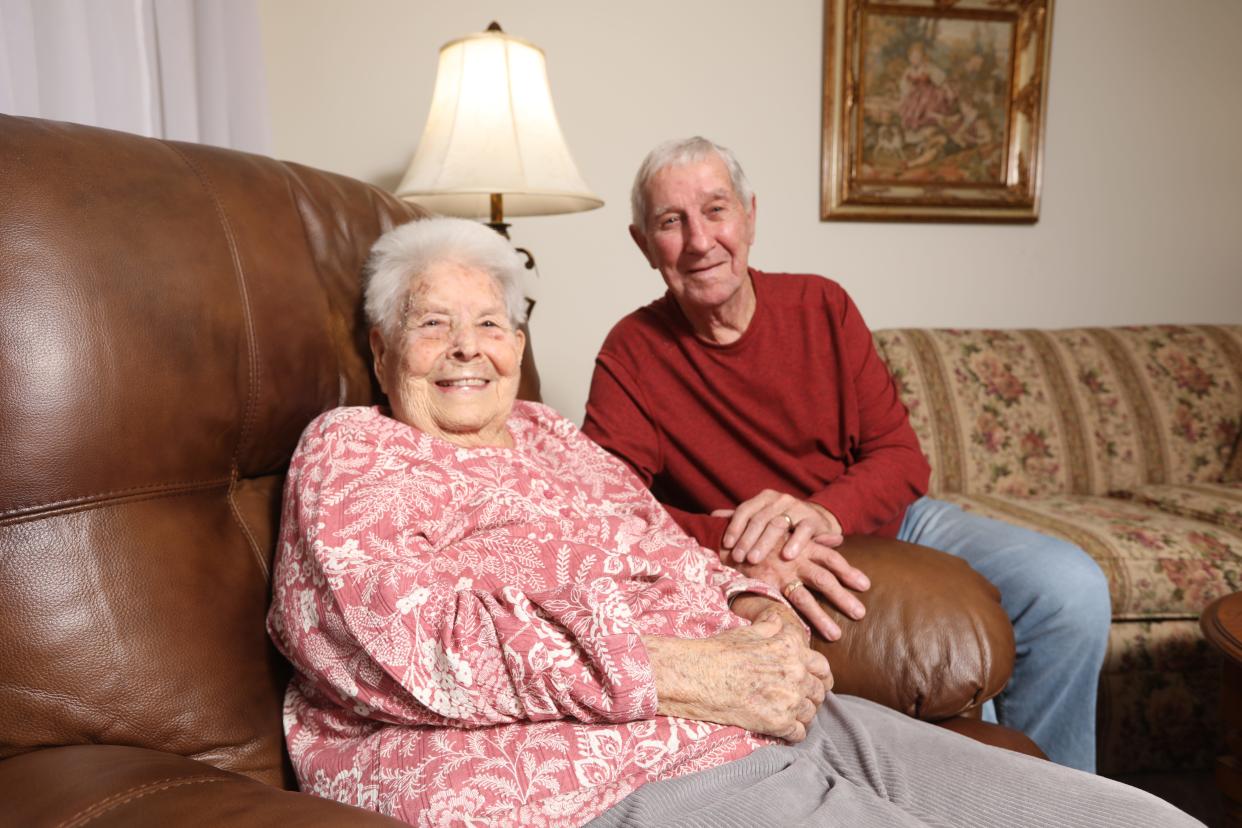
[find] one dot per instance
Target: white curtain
(189, 70)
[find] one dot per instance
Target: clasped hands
(787, 542)
(764, 677)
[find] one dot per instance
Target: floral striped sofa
(1124, 441)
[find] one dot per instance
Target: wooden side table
(1222, 625)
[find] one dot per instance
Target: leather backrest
(171, 316)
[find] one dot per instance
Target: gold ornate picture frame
(934, 109)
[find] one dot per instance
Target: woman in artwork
(493, 623)
(925, 97)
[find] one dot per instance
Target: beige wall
(1142, 208)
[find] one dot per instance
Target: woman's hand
(774, 521)
(763, 678)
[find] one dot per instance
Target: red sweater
(800, 403)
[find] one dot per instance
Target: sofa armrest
(111, 785)
(935, 641)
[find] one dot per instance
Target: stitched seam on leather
(252, 352)
(100, 808)
(245, 527)
(135, 493)
(292, 178)
(252, 345)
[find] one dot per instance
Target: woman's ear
(379, 353)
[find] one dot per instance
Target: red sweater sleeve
(889, 471)
(617, 419)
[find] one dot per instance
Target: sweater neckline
(688, 330)
(517, 424)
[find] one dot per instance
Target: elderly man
(755, 407)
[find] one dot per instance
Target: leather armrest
(935, 641)
(110, 785)
(994, 735)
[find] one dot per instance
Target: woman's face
(453, 368)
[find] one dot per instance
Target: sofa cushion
(1192, 376)
(1219, 503)
(1159, 565)
(982, 406)
(1079, 411)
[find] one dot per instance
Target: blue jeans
(1057, 599)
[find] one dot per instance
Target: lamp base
(502, 228)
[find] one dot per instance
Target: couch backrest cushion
(1085, 411)
(171, 316)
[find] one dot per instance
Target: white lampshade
(492, 129)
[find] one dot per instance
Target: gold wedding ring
(788, 520)
(796, 583)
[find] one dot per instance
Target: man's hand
(822, 569)
(772, 521)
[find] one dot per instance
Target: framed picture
(934, 109)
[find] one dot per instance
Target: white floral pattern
(465, 623)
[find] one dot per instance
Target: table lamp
(492, 145)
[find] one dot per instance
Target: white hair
(678, 152)
(405, 253)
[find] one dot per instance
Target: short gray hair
(676, 153)
(404, 253)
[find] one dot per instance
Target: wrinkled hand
(752, 607)
(763, 678)
(822, 569)
(758, 527)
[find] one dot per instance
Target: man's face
(697, 233)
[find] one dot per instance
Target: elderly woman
(493, 622)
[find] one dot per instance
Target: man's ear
(641, 241)
(379, 352)
(754, 207)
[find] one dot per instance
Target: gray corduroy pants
(864, 766)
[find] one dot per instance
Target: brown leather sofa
(171, 316)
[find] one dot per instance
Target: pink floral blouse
(465, 623)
